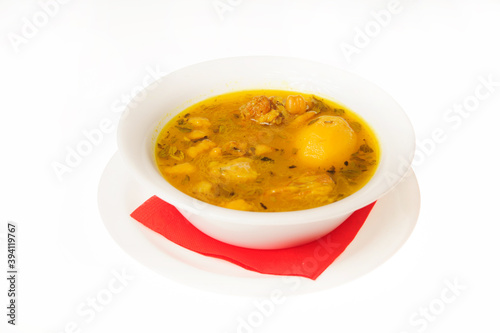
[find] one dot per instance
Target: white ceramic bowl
(141, 123)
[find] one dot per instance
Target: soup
(267, 151)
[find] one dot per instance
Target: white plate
(387, 228)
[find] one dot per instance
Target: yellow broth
(267, 150)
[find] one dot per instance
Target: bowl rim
(189, 205)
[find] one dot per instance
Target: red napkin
(308, 260)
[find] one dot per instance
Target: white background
(75, 68)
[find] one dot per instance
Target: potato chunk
(325, 142)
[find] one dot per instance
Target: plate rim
(174, 262)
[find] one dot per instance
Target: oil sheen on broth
(267, 150)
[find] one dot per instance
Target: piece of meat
(306, 185)
(257, 107)
(237, 170)
(260, 109)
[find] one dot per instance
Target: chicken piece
(276, 103)
(273, 117)
(258, 106)
(199, 122)
(239, 204)
(238, 170)
(259, 109)
(306, 185)
(179, 169)
(200, 148)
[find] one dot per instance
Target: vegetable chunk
(296, 104)
(327, 141)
